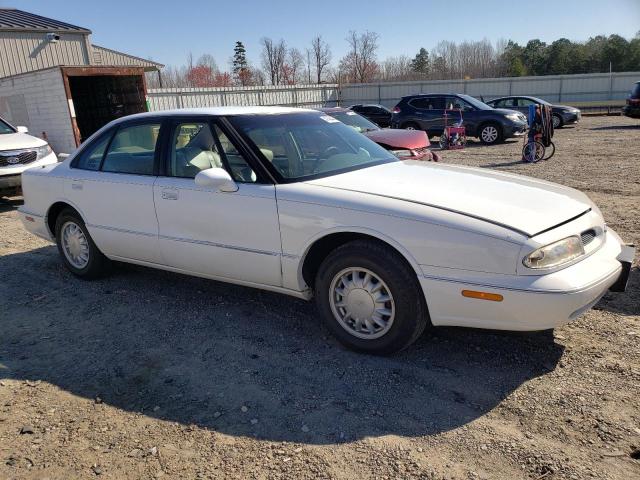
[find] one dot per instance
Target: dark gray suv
(427, 112)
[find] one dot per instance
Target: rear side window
(91, 157)
(428, 103)
(525, 102)
(132, 150)
(635, 93)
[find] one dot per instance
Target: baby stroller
(454, 136)
(538, 144)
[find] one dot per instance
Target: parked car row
(491, 122)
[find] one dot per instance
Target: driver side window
(195, 147)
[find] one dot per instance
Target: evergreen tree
(420, 63)
(240, 66)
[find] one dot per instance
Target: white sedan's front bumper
(529, 302)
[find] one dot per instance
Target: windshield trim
(278, 177)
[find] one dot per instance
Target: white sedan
(296, 202)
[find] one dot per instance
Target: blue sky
(167, 30)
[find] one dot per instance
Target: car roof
(334, 109)
(219, 111)
(417, 95)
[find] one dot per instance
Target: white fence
(291, 95)
(599, 88)
(594, 88)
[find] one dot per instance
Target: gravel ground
(149, 374)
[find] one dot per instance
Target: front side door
(112, 186)
(523, 104)
(228, 235)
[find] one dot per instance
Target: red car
(404, 144)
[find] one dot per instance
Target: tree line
(281, 64)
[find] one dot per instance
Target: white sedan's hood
(520, 203)
(16, 141)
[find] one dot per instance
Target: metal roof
(12, 19)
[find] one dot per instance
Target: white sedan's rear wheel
(370, 298)
(79, 254)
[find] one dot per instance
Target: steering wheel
(326, 153)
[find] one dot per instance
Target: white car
(296, 202)
(19, 151)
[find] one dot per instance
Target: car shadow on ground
(195, 351)
(9, 204)
(617, 127)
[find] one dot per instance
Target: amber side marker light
(29, 219)
(494, 297)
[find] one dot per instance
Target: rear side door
(226, 235)
(429, 112)
(112, 187)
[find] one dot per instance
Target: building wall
(28, 51)
(38, 101)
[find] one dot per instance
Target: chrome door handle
(169, 194)
(76, 186)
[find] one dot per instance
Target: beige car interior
(196, 150)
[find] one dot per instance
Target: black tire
(411, 314)
(557, 118)
(98, 265)
(411, 126)
(486, 138)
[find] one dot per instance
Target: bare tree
(207, 60)
(397, 68)
(321, 53)
(292, 68)
(360, 63)
(273, 58)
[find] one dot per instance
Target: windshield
(302, 146)
(5, 127)
(354, 120)
(636, 91)
(475, 102)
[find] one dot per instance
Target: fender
(300, 284)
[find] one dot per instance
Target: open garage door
(99, 95)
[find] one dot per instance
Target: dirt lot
(154, 375)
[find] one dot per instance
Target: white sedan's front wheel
(370, 298)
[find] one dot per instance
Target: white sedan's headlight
(43, 151)
(555, 254)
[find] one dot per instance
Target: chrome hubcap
(410, 127)
(362, 303)
(489, 134)
(75, 245)
(556, 122)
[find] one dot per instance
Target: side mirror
(216, 178)
(22, 129)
